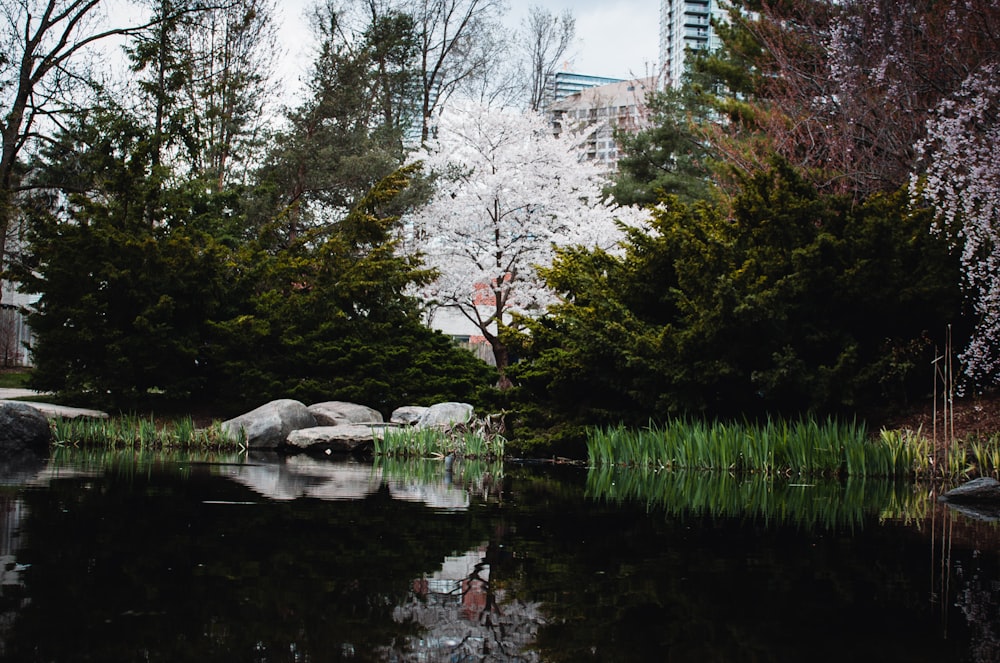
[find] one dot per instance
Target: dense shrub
(786, 301)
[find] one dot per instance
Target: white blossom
(507, 194)
(961, 155)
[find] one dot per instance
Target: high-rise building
(685, 25)
(565, 83)
(593, 115)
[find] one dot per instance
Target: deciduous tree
(962, 181)
(507, 193)
(456, 43)
(841, 89)
(41, 42)
(547, 38)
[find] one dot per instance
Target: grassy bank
(474, 441)
(804, 447)
(14, 378)
(140, 433)
(145, 432)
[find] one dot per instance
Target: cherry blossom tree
(508, 193)
(962, 181)
(842, 89)
(868, 95)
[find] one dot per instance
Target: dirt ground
(973, 416)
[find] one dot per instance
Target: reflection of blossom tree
(979, 602)
(468, 617)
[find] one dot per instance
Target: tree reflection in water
(464, 617)
(298, 559)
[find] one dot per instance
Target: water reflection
(828, 504)
(188, 558)
(465, 617)
(427, 482)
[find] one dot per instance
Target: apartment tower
(684, 25)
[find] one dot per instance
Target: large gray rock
(407, 415)
(442, 415)
(340, 438)
(268, 426)
(984, 489)
(53, 411)
(337, 413)
(23, 429)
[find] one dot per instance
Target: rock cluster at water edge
(333, 426)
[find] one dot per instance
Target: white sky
(617, 39)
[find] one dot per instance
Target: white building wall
(15, 335)
(685, 24)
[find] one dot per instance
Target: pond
(168, 557)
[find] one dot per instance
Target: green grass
(139, 433)
(14, 378)
(473, 441)
(803, 447)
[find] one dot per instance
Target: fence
(481, 349)
(15, 337)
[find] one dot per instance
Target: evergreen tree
(124, 303)
(326, 318)
(348, 133)
(667, 158)
(787, 301)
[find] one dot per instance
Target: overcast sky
(614, 39)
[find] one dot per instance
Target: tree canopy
(506, 193)
(162, 282)
(817, 194)
(792, 301)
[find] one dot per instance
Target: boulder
(442, 415)
(984, 489)
(53, 411)
(407, 415)
(342, 438)
(268, 426)
(23, 429)
(336, 413)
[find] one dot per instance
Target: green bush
(787, 301)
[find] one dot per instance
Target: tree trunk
(502, 356)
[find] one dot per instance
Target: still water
(118, 557)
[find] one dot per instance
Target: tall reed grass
(477, 440)
(425, 443)
(802, 447)
(140, 432)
